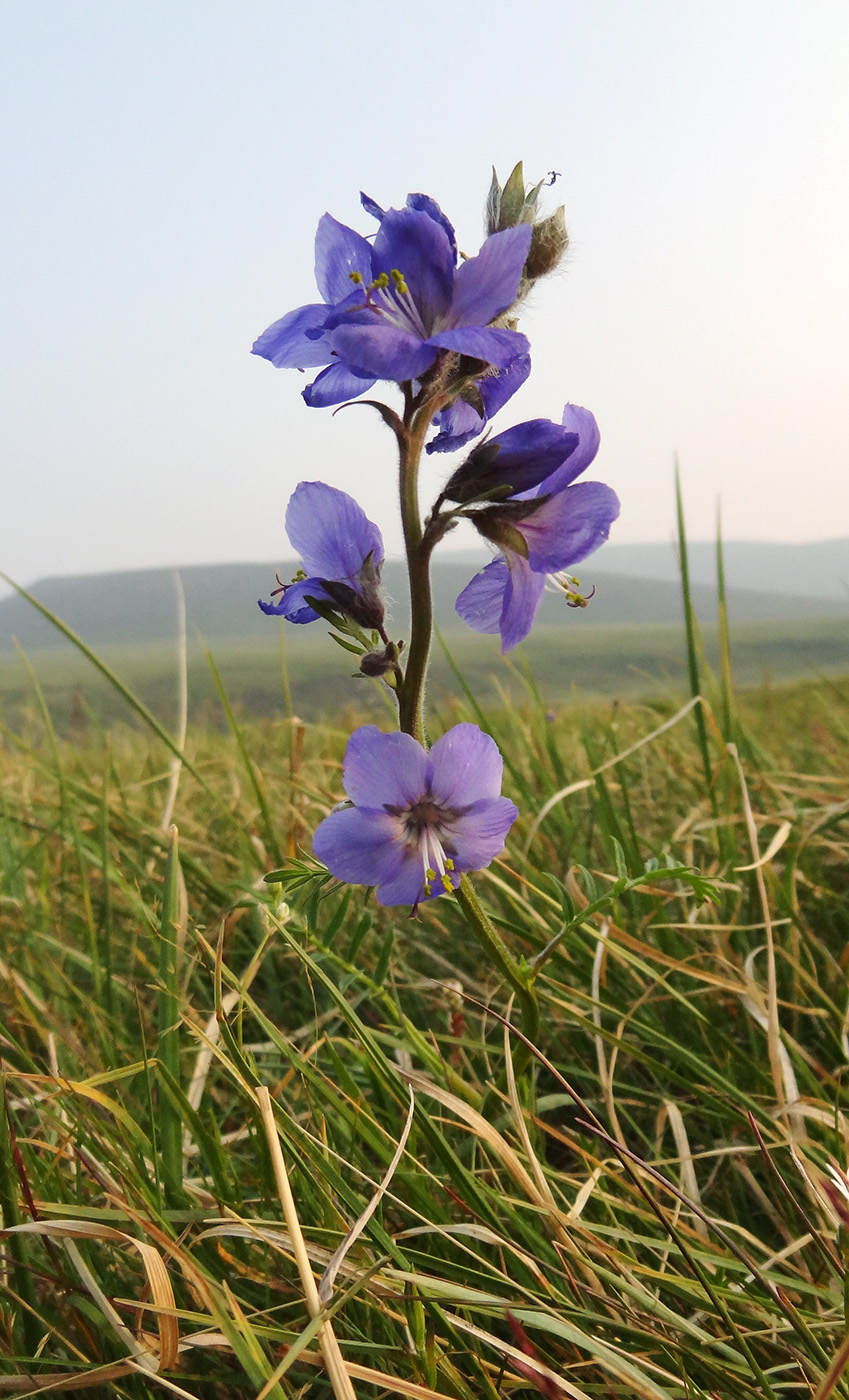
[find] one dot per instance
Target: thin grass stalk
(725, 670)
(692, 651)
(253, 775)
(14, 1245)
(105, 921)
(182, 704)
(499, 956)
(168, 1030)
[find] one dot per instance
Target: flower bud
(549, 242)
(514, 203)
(381, 663)
(514, 461)
(364, 603)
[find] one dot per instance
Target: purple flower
(419, 819)
(391, 307)
(539, 541)
(342, 553)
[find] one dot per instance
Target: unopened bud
(515, 203)
(363, 605)
(380, 663)
(549, 242)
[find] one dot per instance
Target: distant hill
(819, 570)
(140, 606)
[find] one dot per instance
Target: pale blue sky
(165, 162)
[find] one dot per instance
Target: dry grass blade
(493, 1139)
(773, 1028)
(162, 1294)
(328, 1278)
(336, 1369)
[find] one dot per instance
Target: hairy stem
(411, 694)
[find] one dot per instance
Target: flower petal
(286, 343)
(339, 251)
(466, 766)
(494, 346)
(581, 421)
(478, 836)
(384, 769)
(486, 285)
(334, 385)
(482, 600)
(360, 846)
(331, 532)
(431, 208)
(569, 525)
(293, 603)
(409, 241)
(521, 600)
(407, 885)
(457, 425)
(371, 206)
(383, 351)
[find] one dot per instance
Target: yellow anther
(449, 864)
(356, 277)
(400, 284)
(430, 875)
(446, 884)
(380, 283)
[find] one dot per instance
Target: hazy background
(164, 166)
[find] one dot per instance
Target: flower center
(422, 823)
(390, 297)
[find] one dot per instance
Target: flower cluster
(391, 307)
(405, 306)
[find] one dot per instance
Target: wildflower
(342, 553)
(418, 819)
(390, 308)
(540, 534)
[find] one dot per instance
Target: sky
(163, 166)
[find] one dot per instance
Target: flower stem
(411, 694)
(419, 547)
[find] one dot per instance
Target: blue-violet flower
(342, 553)
(419, 819)
(540, 540)
(390, 307)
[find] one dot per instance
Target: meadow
(266, 1137)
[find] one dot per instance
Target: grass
(263, 1139)
(630, 662)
